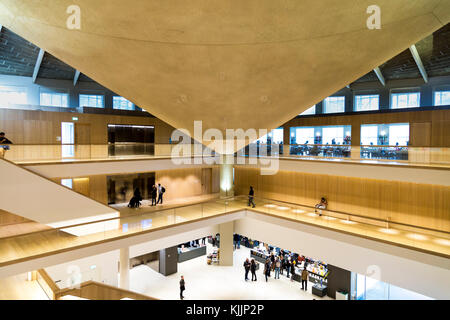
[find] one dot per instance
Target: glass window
(333, 135)
(12, 95)
(405, 100)
(90, 100)
(397, 293)
(442, 98)
(67, 139)
(334, 104)
(67, 182)
(276, 136)
(398, 134)
(54, 99)
(304, 136)
(122, 103)
(311, 110)
(372, 289)
(369, 134)
(367, 102)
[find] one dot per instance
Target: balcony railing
(383, 154)
(17, 248)
(68, 152)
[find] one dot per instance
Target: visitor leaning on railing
(4, 144)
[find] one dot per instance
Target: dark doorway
(125, 140)
(121, 187)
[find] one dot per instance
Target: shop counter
(191, 253)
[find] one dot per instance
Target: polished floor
(48, 242)
(211, 282)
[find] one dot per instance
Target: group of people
(250, 266)
(157, 191)
(278, 264)
(4, 144)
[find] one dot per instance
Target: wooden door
(83, 140)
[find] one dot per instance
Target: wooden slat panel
(410, 203)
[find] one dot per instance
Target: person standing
(292, 271)
(288, 266)
(154, 194)
(253, 269)
(3, 144)
(237, 241)
(267, 268)
(251, 195)
(277, 268)
(305, 279)
(247, 268)
(161, 191)
(283, 263)
(182, 287)
(272, 261)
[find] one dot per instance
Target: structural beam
(37, 66)
(380, 76)
(75, 78)
(419, 63)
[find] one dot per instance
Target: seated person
(322, 205)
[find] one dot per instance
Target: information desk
(191, 253)
(258, 256)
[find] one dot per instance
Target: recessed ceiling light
(417, 236)
(389, 231)
(444, 242)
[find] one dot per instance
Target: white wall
(33, 197)
(88, 168)
(105, 271)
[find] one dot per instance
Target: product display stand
(319, 290)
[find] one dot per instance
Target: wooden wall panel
(411, 203)
(43, 127)
(180, 183)
(9, 218)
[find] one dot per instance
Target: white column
(226, 176)
(226, 243)
(124, 268)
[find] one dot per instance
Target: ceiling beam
(37, 66)
(380, 76)
(75, 78)
(419, 63)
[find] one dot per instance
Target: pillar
(226, 176)
(168, 261)
(124, 268)
(226, 243)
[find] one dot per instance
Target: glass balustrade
(25, 246)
